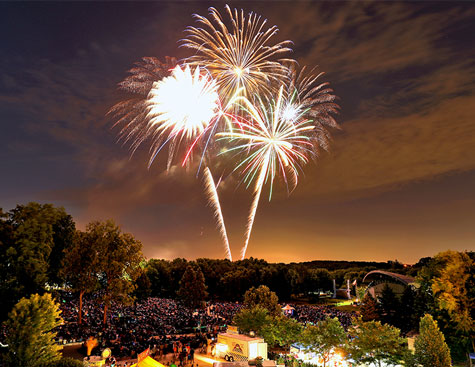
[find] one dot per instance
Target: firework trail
(214, 202)
(241, 56)
(255, 203)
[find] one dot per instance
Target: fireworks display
(273, 141)
(181, 104)
(240, 56)
(131, 114)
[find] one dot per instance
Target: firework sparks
(270, 141)
(238, 57)
(305, 94)
(131, 114)
(183, 106)
(214, 202)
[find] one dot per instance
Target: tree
(81, 267)
(430, 347)
(119, 258)
(369, 308)
(454, 291)
(405, 315)
(212, 270)
(264, 298)
(143, 286)
(324, 338)
(293, 280)
(9, 284)
(158, 272)
(316, 280)
(281, 331)
(373, 342)
(360, 293)
(389, 304)
(252, 319)
(30, 337)
(192, 290)
(234, 283)
(64, 231)
(32, 239)
(177, 269)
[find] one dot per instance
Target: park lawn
(348, 308)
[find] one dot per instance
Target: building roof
(242, 337)
(375, 274)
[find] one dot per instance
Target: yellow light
(290, 113)
(184, 103)
(238, 71)
(205, 359)
(252, 350)
(221, 347)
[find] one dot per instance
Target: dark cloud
(380, 153)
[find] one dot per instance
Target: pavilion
(378, 279)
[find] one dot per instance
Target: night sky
(398, 183)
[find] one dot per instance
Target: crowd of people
(163, 325)
(152, 322)
(312, 314)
